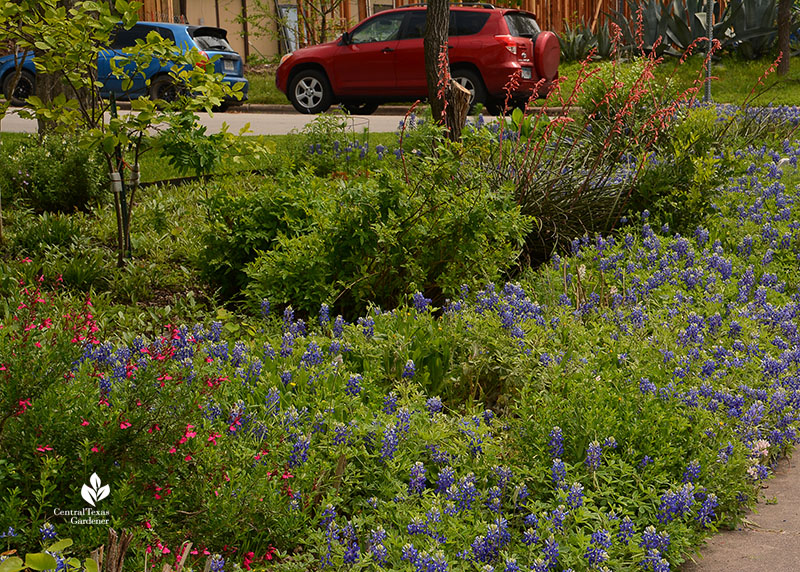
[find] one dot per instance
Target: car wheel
(473, 83)
(26, 87)
(165, 89)
(310, 92)
(363, 108)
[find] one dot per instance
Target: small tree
(67, 42)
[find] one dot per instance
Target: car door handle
(449, 47)
(387, 50)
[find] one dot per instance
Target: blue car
(208, 40)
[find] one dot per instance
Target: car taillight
(514, 46)
(509, 42)
(203, 62)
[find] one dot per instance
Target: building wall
(223, 14)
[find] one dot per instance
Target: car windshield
(213, 40)
(522, 25)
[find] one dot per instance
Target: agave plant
(754, 27)
(655, 16)
(576, 41)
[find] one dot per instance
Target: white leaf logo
(96, 492)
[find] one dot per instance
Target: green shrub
(382, 238)
(51, 174)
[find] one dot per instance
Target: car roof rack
(486, 5)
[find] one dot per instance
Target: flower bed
(633, 395)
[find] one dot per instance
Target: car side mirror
(346, 39)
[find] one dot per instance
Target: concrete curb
(276, 109)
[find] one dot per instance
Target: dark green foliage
(52, 174)
(381, 238)
(746, 27)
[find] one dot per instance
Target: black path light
(710, 34)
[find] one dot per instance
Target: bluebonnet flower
(324, 315)
(462, 494)
(286, 377)
(487, 547)
(434, 405)
(312, 356)
(376, 547)
(626, 530)
(416, 483)
(48, 531)
(367, 326)
(389, 443)
(493, 499)
(705, 514)
(530, 537)
(299, 453)
(328, 516)
(338, 327)
(550, 550)
(288, 317)
(352, 551)
(557, 518)
(445, 479)
(596, 551)
(217, 563)
(594, 454)
(556, 443)
(342, 433)
(511, 565)
(10, 533)
(575, 496)
(421, 303)
(390, 403)
(410, 369)
(558, 472)
(692, 471)
(676, 503)
(353, 386)
(653, 540)
(287, 344)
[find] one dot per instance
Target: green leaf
(13, 564)
(90, 565)
(61, 545)
(40, 561)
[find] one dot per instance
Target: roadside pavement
(769, 538)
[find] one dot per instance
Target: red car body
(492, 52)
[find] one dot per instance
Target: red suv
(382, 60)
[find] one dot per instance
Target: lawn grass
(733, 80)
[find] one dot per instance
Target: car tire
(26, 87)
(310, 92)
(164, 88)
(362, 108)
(473, 82)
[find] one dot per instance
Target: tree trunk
(437, 66)
(784, 22)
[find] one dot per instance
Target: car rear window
(467, 23)
(211, 39)
(461, 23)
(123, 38)
(522, 25)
